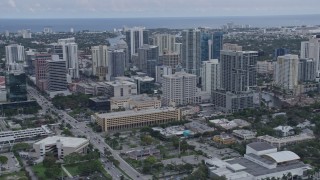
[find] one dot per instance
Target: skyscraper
(307, 70)
(191, 51)
(217, 44)
(165, 42)
(40, 70)
(210, 75)
(135, 38)
(148, 59)
(311, 49)
(280, 52)
(211, 44)
(56, 75)
(14, 54)
(286, 71)
(70, 55)
(16, 84)
(100, 62)
(171, 59)
(117, 60)
(179, 89)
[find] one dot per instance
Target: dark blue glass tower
(215, 46)
(280, 52)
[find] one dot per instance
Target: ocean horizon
(108, 24)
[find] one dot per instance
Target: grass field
(21, 175)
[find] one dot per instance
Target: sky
(153, 8)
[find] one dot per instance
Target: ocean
(102, 24)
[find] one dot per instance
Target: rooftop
(260, 146)
(120, 83)
(66, 141)
(283, 156)
(300, 137)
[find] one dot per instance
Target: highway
(80, 128)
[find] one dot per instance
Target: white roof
(66, 141)
(283, 156)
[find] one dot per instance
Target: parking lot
(12, 164)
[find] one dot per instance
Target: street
(80, 128)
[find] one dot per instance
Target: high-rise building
(70, 55)
(171, 59)
(14, 54)
(117, 60)
(217, 44)
(210, 75)
(165, 42)
(311, 49)
(280, 52)
(135, 38)
(16, 84)
(238, 77)
(179, 89)
(161, 71)
(191, 51)
(307, 70)
(148, 59)
(211, 45)
(122, 46)
(26, 33)
(238, 70)
(56, 75)
(30, 62)
(40, 70)
(286, 71)
(178, 48)
(100, 62)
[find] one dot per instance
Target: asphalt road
(80, 128)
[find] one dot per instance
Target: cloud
(12, 3)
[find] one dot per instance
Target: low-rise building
(100, 103)
(284, 131)
(261, 161)
(224, 139)
(134, 118)
(60, 146)
(197, 127)
(171, 131)
(143, 153)
(244, 134)
(138, 102)
(226, 124)
(280, 142)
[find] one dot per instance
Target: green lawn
(39, 170)
(16, 175)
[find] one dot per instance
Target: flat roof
(66, 141)
(283, 156)
(260, 146)
(134, 112)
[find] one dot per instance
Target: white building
(311, 50)
(14, 54)
(244, 134)
(162, 71)
(179, 89)
(70, 55)
(284, 130)
(284, 141)
(260, 161)
(286, 71)
(100, 62)
(122, 88)
(60, 146)
(165, 42)
(210, 75)
(137, 102)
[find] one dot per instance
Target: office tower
(311, 50)
(179, 89)
(307, 70)
(280, 52)
(231, 47)
(117, 60)
(148, 59)
(16, 84)
(210, 75)
(69, 54)
(161, 71)
(14, 54)
(286, 71)
(165, 42)
(191, 51)
(100, 62)
(145, 84)
(56, 74)
(122, 46)
(217, 44)
(30, 66)
(238, 70)
(211, 44)
(238, 77)
(135, 38)
(40, 70)
(172, 60)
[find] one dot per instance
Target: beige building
(138, 102)
(134, 119)
(232, 47)
(60, 146)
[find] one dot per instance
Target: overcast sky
(153, 8)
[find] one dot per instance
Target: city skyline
(153, 8)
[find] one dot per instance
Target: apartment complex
(165, 42)
(134, 119)
(179, 89)
(210, 75)
(100, 62)
(286, 71)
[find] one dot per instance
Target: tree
(146, 139)
(184, 146)
(3, 160)
(88, 167)
(21, 147)
(49, 161)
(72, 158)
